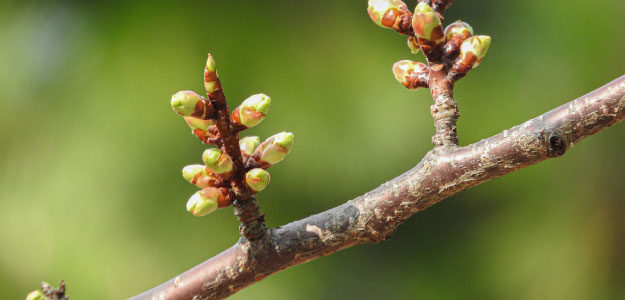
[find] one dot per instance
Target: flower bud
(36, 295)
(392, 14)
(275, 148)
(458, 28)
(211, 80)
(203, 202)
(190, 104)
(257, 179)
(198, 175)
(411, 74)
(427, 24)
(474, 49)
(413, 44)
(248, 144)
(195, 123)
(472, 52)
(217, 161)
(252, 111)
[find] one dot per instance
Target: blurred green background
(91, 152)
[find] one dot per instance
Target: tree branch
(374, 216)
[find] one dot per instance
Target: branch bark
(374, 216)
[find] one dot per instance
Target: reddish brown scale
(226, 196)
(431, 50)
(462, 67)
(203, 110)
(398, 19)
(417, 79)
(452, 47)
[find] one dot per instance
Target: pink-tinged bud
(257, 179)
(190, 104)
(472, 52)
(199, 176)
(392, 14)
(413, 44)
(252, 111)
(274, 149)
(458, 28)
(217, 161)
(427, 24)
(411, 74)
(248, 144)
(203, 202)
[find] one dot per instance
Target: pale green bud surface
(278, 147)
(378, 8)
(36, 295)
(254, 109)
(257, 179)
(217, 161)
(184, 102)
(195, 123)
(476, 45)
(189, 172)
(457, 28)
(248, 144)
(425, 22)
(203, 202)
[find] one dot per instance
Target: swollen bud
(275, 148)
(257, 179)
(36, 295)
(190, 104)
(195, 123)
(427, 24)
(248, 144)
(392, 14)
(198, 175)
(413, 44)
(477, 47)
(203, 202)
(472, 52)
(411, 74)
(458, 28)
(217, 161)
(252, 111)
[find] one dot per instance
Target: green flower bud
(203, 202)
(184, 102)
(275, 148)
(248, 144)
(458, 28)
(36, 295)
(474, 49)
(411, 74)
(413, 45)
(252, 111)
(427, 24)
(392, 14)
(257, 179)
(190, 104)
(195, 123)
(217, 161)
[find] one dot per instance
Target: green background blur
(91, 152)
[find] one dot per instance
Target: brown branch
(375, 215)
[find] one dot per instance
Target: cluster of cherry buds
(455, 46)
(211, 121)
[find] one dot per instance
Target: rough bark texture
(372, 217)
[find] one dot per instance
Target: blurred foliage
(90, 186)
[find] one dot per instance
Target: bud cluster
(236, 168)
(455, 47)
